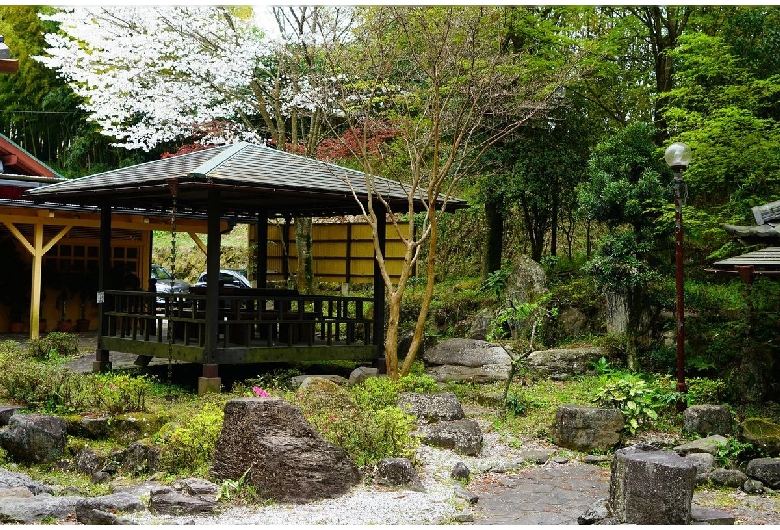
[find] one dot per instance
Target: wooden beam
(35, 295)
(9, 66)
(20, 237)
(10, 160)
(198, 241)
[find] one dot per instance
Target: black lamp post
(678, 156)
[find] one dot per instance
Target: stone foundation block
(651, 487)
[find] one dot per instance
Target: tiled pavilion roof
(250, 178)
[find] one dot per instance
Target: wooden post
(35, 296)
(102, 362)
(210, 380)
(261, 239)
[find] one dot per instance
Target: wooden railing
(247, 318)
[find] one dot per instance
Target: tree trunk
(494, 218)
(305, 277)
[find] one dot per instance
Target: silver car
(164, 282)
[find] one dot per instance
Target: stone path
(554, 494)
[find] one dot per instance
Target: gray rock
(596, 459)
(139, 458)
(702, 515)
(461, 492)
(526, 282)
(732, 478)
(300, 381)
(88, 461)
(18, 491)
(463, 436)
(753, 486)
(197, 487)
(478, 325)
(535, 456)
(100, 477)
(480, 375)
(398, 472)
(286, 458)
(460, 471)
(6, 411)
(467, 360)
(767, 470)
(710, 444)
(596, 512)
(34, 438)
(169, 501)
(102, 510)
(707, 420)
(560, 364)
(95, 428)
(431, 407)
(361, 373)
(587, 428)
(560, 460)
(466, 516)
(10, 479)
(33, 510)
(651, 487)
(704, 462)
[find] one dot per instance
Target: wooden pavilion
(217, 325)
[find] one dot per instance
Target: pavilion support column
(379, 290)
(210, 380)
(261, 257)
(286, 247)
(35, 295)
(102, 362)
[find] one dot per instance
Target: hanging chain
(169, 309)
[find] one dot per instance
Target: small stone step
(702, 515)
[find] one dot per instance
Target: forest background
(550, 121)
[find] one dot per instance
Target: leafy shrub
(117, 393)
(51, 388)
(33, 383)
(732, 452)
(376, 393)
(495, 283)
(55, 345)
(189, 447)
(364, 422)
(278, 379)
(704, 391)
(630, 394)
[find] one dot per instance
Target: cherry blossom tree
(153, 74)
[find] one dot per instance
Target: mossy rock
(125, 428)
(762, 434)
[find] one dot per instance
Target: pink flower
(259, 392)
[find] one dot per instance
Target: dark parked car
(227, 278)
(163, 284)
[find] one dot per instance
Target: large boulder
(761, 433)
(34, 438)
(767, 470)
(587, 428)
(648, 486)
(467, 360)
(707, 419)
(431, 407)
(526, 282)
(462, 436)
(563, 363)
(283, 457)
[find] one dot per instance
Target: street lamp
(678, 156)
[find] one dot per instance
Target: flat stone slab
(702, 515)
(539, 495)
(710, 444)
